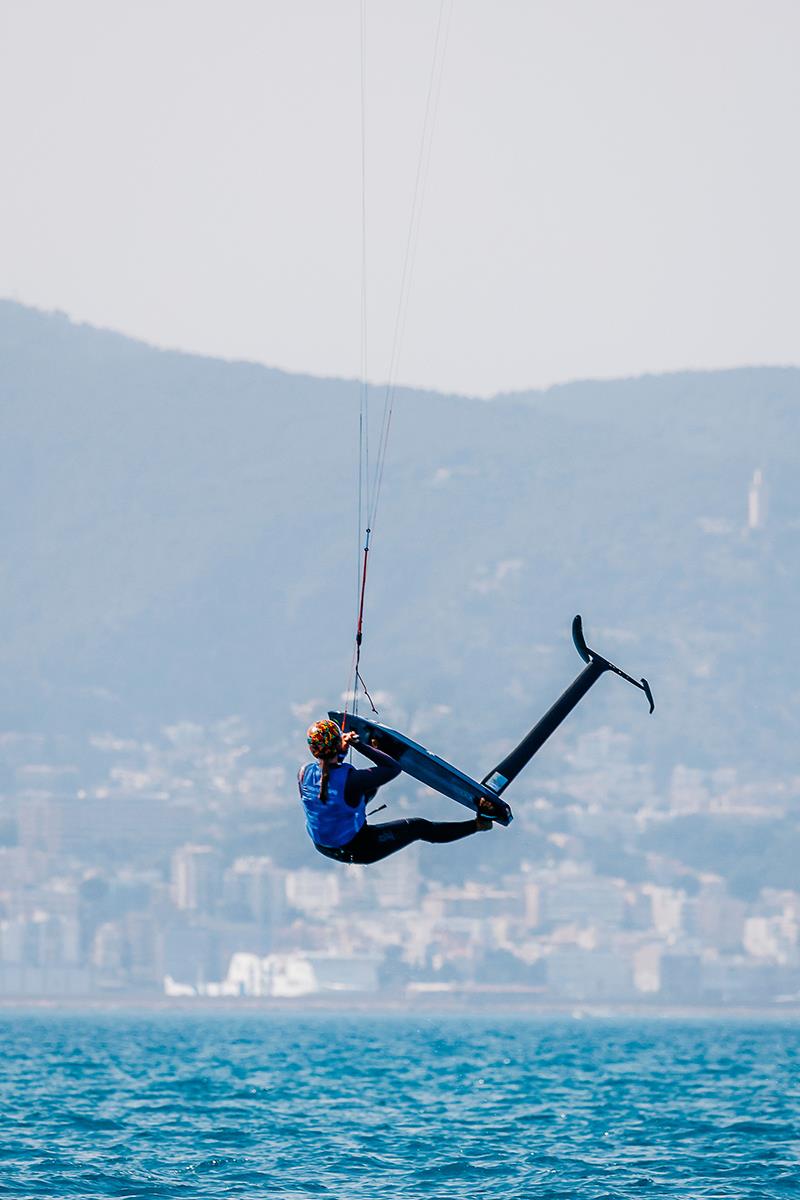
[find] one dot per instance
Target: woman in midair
(335, 795)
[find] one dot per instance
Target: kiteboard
(484, 797)
(428, 768)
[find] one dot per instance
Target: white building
(196, 878)
(588, 901)
(286, 976)
(667, 908)
(757, 501)
(589, 974)
(108, 947)
(254, 882)
(41, 940)
(313, 892)
(773, 938)
(396, 880)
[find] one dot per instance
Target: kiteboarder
(335, 794)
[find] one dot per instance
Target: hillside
(180, 542)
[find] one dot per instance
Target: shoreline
(364, 1005)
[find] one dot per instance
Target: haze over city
(178, 605)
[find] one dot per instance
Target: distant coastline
(459, 1006)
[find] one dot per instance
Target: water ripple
(173, 1107)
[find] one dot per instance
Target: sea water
(347, 1107)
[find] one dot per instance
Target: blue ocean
(321, 1105)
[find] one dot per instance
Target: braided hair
(325, 768)
(325, 741)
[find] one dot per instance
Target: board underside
(427, 768)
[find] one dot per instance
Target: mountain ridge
(62, 318)
(184, 539)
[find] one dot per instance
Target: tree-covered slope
(180, 541)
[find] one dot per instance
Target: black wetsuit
(374, 842)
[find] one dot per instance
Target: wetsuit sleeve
(363, 784)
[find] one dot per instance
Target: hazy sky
(614, 185)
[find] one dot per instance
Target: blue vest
(335, 822)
